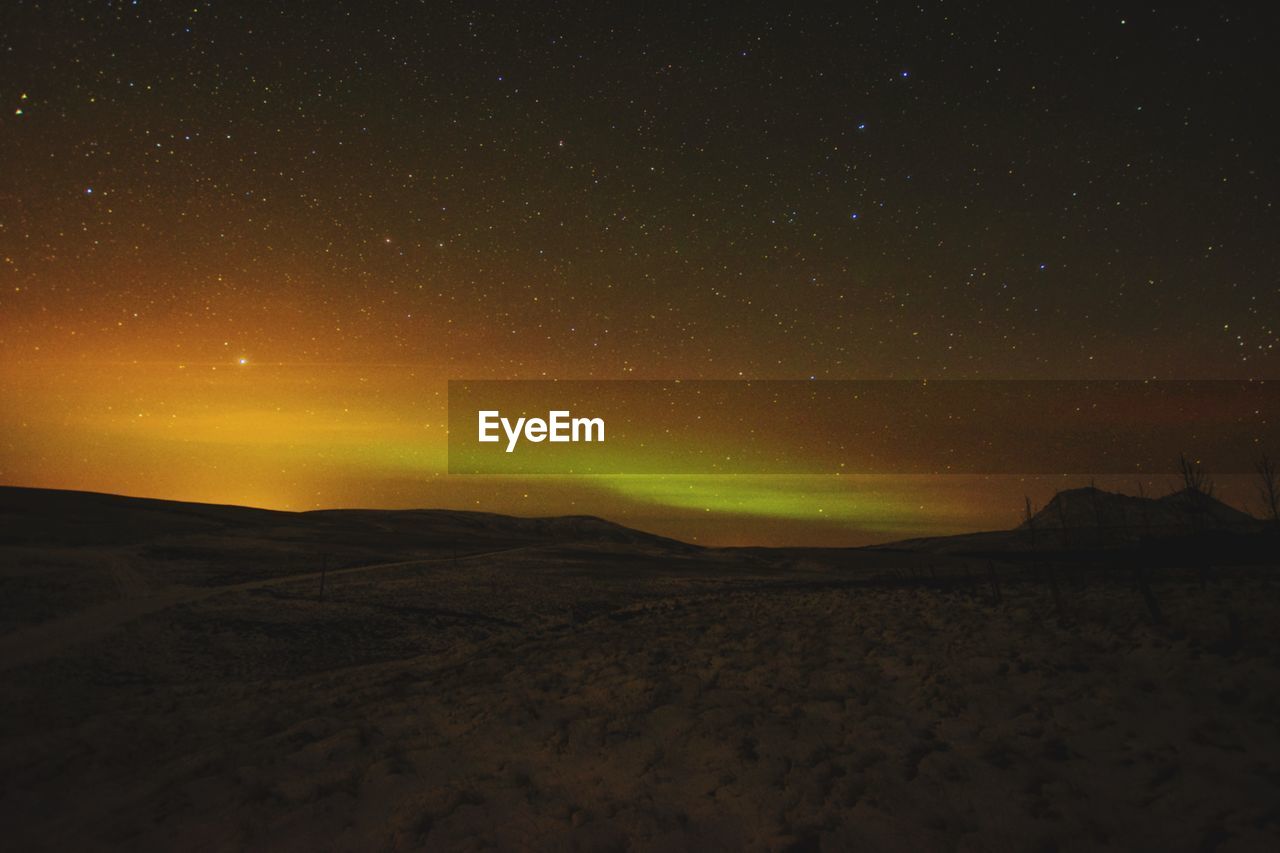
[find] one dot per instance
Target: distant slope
(1090, 518)
(63, 517)
(57, 516)
(485, 525)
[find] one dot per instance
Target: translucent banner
(859, 427)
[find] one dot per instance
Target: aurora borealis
(245, 245)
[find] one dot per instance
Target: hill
(1091, 518)
(74, 518)
(185, 676)
(1132, 517)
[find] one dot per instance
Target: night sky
(246, 244)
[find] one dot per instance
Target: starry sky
(244, 245)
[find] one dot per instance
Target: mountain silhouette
(1090, 518)
(1092, 510)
